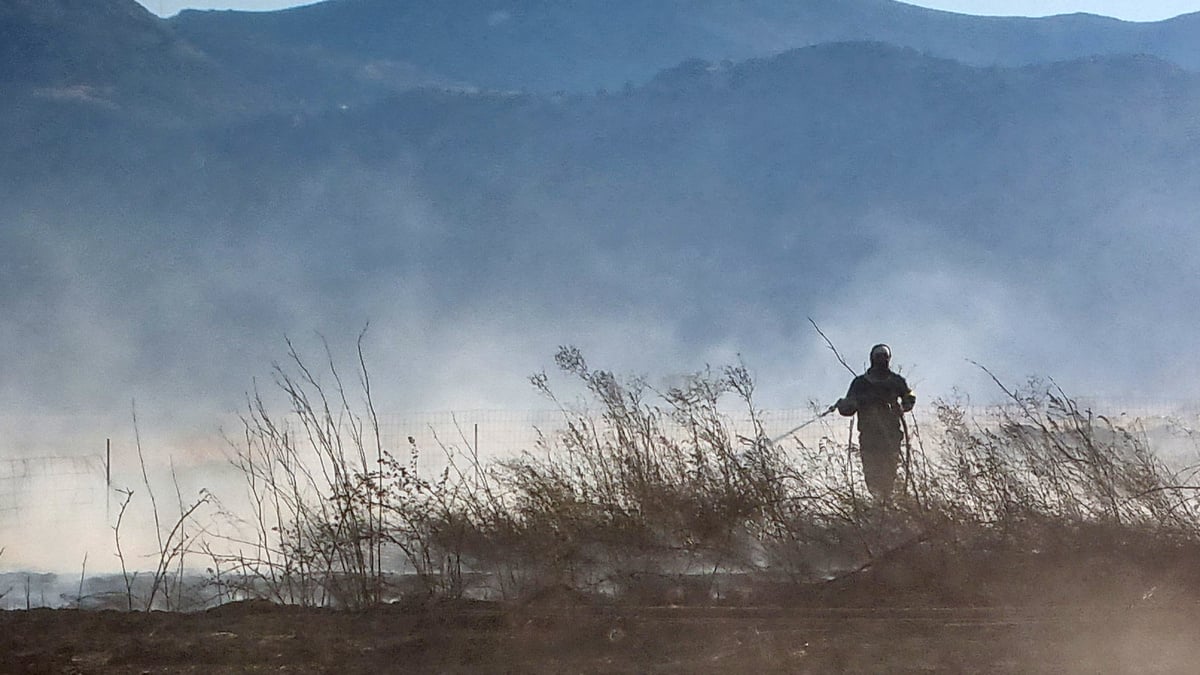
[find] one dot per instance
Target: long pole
(107, 478)
(793, 430)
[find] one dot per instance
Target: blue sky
(1130, 10)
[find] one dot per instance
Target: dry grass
(650, 496)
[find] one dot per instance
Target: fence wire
(54, 501)
(509, 433)
(37, 491)
(52, 486)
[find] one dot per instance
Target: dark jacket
(879, 397)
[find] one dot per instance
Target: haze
(666, 185)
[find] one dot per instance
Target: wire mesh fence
(51, 488)
(42, 499)
(507, 433)
(1169, 428)
(64, 486)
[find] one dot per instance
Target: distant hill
(86, 42)
(95, 58)
(584, 45)
(777, 168)
(192, 199)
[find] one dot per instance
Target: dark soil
(1150, 637)
(1097, 604)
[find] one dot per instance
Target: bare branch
(829, 344)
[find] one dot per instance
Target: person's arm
(907, 398)
(848, 404)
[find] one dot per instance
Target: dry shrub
(649, 489)
(655, 489)
(679, 496)
(1040, 489)
(336, 519)
(315, 535)
(1042, 458)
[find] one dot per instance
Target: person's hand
(846, 407)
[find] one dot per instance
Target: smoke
(639, 229)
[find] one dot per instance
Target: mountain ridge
(995, 210)
(596, 45)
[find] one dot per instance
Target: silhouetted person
(879, 397)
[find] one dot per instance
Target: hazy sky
(115, 305)
(1130, 10)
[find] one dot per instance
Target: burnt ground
(1148, 637)
(1114, 605)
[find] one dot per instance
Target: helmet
(881, 355)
